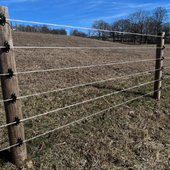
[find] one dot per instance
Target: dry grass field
(134, 136)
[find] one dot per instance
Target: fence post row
(10, 90)
(159, 65)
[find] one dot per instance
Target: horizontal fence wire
(5, 74)
(93, 29)
(166, 68)
(8, 147)
(81, 67)
(84, 118)
(61, 127)
(88, 66)
(83, 102)
(90, 116)
(81, 48)
(81, 85)
(93, 99)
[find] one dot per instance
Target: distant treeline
(142, 21)
(75, 32)
(37, 28)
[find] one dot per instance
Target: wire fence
(86, 101)
(92, 29)
(82, 48)
(86, 84)
(81, 67)
(82, 85)
(79, 120)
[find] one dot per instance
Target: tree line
(38, 28)
(141, 21)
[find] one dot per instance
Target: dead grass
(134, 136)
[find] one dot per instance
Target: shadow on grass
(5, 156)
(117, 89)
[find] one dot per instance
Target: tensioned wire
(89, 66)
(93, 29)
(81, 85)
(79, 67)
(90, 116)
(86, 101)
(81, 48)
(61, 127)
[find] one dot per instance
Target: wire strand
(81, 48)
(86, 101)
(61, 127)
(105, 95)
(166, 67)
(89, 66)
(82, 85)
(6, 74)
(8, 147)
(41, 23)
(89, 116)
(79, 67)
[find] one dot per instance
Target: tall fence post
(159, 65)
(9, 88)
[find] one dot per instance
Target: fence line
(84, 118)
(67, 26)
(22, 97)
(79, 67)
(86, 101)
(90, 116)
(11, 86)
(89, 66)
(9, 124)
(130, 88)
(81, 48)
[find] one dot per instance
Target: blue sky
(77, 12)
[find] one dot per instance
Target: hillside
(133, 136)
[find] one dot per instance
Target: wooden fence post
(10, 86)
(159, 65)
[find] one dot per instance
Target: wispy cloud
(18, 1)
(65, 4)
(114, 16)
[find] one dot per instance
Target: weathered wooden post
(159, 65)
(10, 90)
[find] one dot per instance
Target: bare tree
(122, 26)
(138, 20)
(160, 15)
(101, 25)
(75, 32)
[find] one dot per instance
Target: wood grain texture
(9, 86)
(158, 65)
